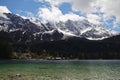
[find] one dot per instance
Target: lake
(59, 70)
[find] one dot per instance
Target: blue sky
(64, 9)
(21, 6)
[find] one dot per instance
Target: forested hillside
(71, 48)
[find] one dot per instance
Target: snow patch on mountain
(57, 30)
(2, 15)
(85, 29)
(4, 9)
(66, 34)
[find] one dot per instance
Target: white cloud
(110, 8)
(93, 18)
(70, 16)
(50, 14)
(82, 5)
(77, 5)
(107, 7)
(54, 14)
(4, 9)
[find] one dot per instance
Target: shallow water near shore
(59, 69)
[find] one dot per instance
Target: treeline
(72, 48)
(76, 48)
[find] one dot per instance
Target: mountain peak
(85, 29)
(58, 30)
(4, 9)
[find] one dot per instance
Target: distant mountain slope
(34, 29)
(85, 29)
(17, 26)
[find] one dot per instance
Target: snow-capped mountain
(85, 29)
(34, 29)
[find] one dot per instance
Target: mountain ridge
(59, 30)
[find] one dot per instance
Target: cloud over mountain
(95, 11)
(77, 5)
(110, 7)
(54, 14)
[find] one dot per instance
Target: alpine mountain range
(35, 29)
(70, 39)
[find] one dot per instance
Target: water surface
(60, 70)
